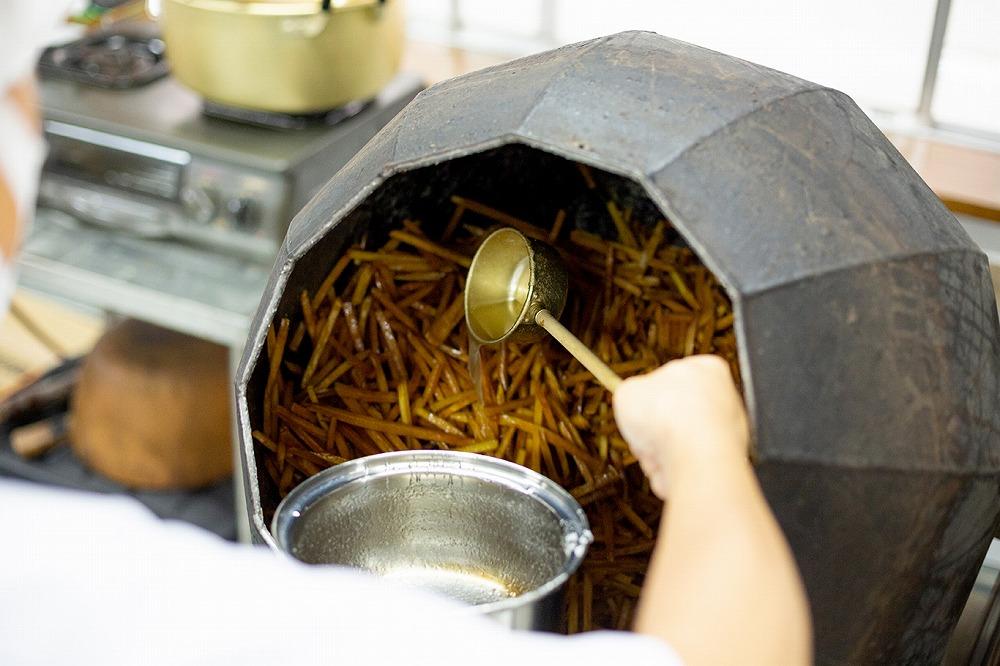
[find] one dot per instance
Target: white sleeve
(25, 27)
(89, 579)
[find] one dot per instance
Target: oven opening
(370, 352)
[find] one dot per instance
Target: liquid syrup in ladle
(495, 320)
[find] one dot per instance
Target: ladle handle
(580, 351)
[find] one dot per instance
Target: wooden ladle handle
(580, 351)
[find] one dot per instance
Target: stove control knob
(198, 204)
(242, 212)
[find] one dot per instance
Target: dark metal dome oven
(868, 334)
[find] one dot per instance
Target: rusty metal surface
(868, 331)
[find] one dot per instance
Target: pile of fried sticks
(376, 360)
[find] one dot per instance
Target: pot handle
(336, 5)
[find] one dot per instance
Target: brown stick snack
(377, 360)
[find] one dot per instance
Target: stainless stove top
(148, 161)
(149, 208)
(168, 114)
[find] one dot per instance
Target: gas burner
(284, 121)
(107, 60)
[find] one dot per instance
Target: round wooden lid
(152, 408)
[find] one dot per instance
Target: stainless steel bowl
(484, 531)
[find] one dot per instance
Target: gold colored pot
(290, 56)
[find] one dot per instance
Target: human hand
(680, 417)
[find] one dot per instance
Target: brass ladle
(516, 290)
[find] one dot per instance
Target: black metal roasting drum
(867, 330)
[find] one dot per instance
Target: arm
(21, 98)
(722, 587)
